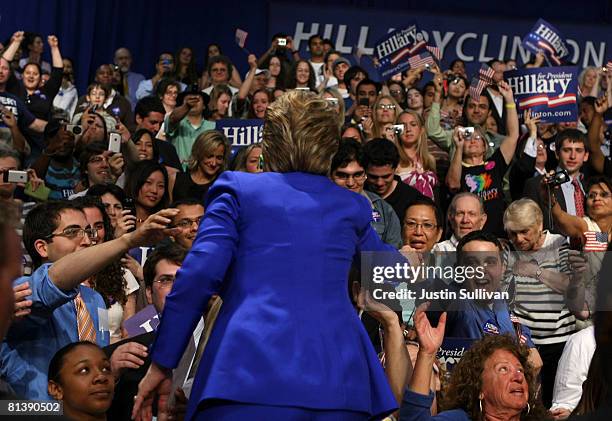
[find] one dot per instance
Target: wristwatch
(538, 274)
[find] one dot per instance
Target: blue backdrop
(89, 31)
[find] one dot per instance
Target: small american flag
(595, 241)
(241, 37)
(420, 60)
(435, 51)
(481, 81)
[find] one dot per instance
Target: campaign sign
(548, 39)
(145, 321)
(549, 92)
(241, 132)
(452, 350)
(396, 47)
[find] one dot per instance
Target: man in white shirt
(465, 214)
(317, 55)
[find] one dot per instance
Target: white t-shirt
(318, 69)
(115, 312)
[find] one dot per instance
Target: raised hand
(18, 37)
(506, 92)
(531, 122)
(601, 105)
(430, 338)
(53, 41)
(252, 60)
(154, 229)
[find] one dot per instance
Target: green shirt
(184, 136)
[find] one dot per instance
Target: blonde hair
(205, 144)
(522, 214)
(427, 159)
(377, 129)
(300, 133)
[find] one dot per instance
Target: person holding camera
(471, 171)
(572, 149)
(186, 122)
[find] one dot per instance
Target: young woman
(80, 376)
(148, 187)
(452, 106)
(247, 159)
(417, 166)
(220, 99)
(302, 76)
(262, 98)
(209, 156)
(185, 69)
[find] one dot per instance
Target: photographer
(573, 152)
(187, 122)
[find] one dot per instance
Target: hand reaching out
(430, 338)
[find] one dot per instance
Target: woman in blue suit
(277, 247)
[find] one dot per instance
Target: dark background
(90, 31)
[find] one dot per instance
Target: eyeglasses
(188, 222)
(344, 177)
(603, 195)
(218, 70)
(165, 281)
(97, 159)
(386, 107)
(75, 232)
(413, 225)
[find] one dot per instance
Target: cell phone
(128, 204)
(282, 42)
(467, 132)
(74, 129)
(398, 129)
(15, 176)
(114, 142)
(364, 101)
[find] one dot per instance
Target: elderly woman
(277, 247)
(493, 380)
(540, 274)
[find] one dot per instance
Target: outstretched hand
(156, 383)
(430, 338)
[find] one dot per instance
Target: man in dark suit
(571, 148)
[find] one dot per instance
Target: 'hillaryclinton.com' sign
(549, 92)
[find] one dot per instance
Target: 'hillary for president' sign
(549, 92)
(396, 47)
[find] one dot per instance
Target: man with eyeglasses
(163, 68)
(98, 166)
(58, 238)
(381, 159)
(187, 221)
(347, 170)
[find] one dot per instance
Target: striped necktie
(85, 325)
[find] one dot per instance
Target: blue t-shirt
(18, 108)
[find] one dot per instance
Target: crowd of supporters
(107, 188)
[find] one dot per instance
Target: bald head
(123, 59)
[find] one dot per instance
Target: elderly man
(465, 214)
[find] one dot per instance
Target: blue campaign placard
(549, 92)
(548, 39)
(394, 49)
(241, 132)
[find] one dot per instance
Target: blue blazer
(277, 248)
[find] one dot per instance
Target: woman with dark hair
(209, 157)
(278, 72)
(302, 75)
(80, 377)
(220, 98)
(33, 44)
(167, 90)
(457, 67)
(37, 96)
(451, 109)
(185, 68)
(398, 92)
(113, 198)
(148, 187)
(116, 285)
(278, 246)
(146, 145)
(262, 98)
(493, 380)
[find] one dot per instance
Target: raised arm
(11, 50)
(596, 155)
(453, 177)
(434, 131)
(69, 271)
(56, 56)
(246, 85)
(508, 145)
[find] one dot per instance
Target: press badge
(376, 215)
